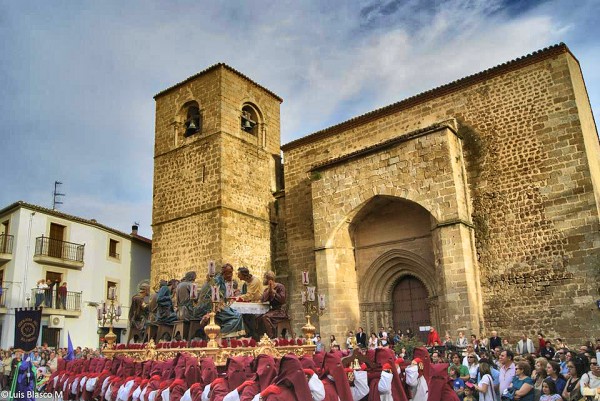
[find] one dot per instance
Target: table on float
(251, 308)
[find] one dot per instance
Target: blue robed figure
(229, 320)
(23, 383)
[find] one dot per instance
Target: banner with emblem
(27, 328)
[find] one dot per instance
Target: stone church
(473, 206)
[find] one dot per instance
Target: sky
(77, 78)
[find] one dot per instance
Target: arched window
(250, 119)
(193, 119)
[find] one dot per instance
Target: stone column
(459, 281)
(337, 279)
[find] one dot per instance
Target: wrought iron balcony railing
(59, 249)
(6, 243)
(54, 298)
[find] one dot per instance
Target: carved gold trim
(219, 355)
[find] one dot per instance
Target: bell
(192, 125)
(247, 125)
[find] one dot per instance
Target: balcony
(58, 253)
(6, 247)
(55, 304)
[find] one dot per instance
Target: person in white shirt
(591, 379)
(525, 345)
(383, 337)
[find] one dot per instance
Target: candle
(112, 292)
(311, 293)
(303, 297)
(103, 308)
(215, 296)
(118, 310)
(99, 313)
(321, 301)
(228, 290)
(211, 268)
(305, 278)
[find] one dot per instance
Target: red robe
(381, 357)
(439, 386)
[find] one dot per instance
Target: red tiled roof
(214, 67)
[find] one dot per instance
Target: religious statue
(165, 313)
(139, 311)
(228, 319)
(183, 294)
(275, 295)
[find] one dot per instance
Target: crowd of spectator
(43, 358)
(493, 369)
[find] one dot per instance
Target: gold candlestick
(109, 314)
(212, 330)
(309, 297)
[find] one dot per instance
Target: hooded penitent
(381, 357)
(192, 372)
(176, 390)
(318, 359)
(335, 379)
(208, 372)
(423, 355)
(308, 363)
(238, 370)
(179, 369)
(290, 382)
(265, 371)
(147, 368)
(440, 388)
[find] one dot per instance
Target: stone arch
(189, 110)
(351, 209)
(375, 290)
(378, 286)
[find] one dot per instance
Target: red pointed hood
(440, 388)
(209, 371)
(192, 373)
(266, 370)
(147, 368)
(308, 363)
(180, 365)
(381, 357)
(177, 389)
(292, 373)
(332, 366)
(238, 370)
(318, 358)
(423, 354)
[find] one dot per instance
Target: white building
(39, 243)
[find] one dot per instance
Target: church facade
(473, 206)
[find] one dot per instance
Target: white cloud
(79, 78)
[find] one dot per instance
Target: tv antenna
(56, 194)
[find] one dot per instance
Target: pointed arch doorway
(410, 306)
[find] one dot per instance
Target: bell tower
(216, 164)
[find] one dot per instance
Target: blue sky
(77, 77)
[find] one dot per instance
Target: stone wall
(420, 167)
(531, 161)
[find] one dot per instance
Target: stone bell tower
(216, 164)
